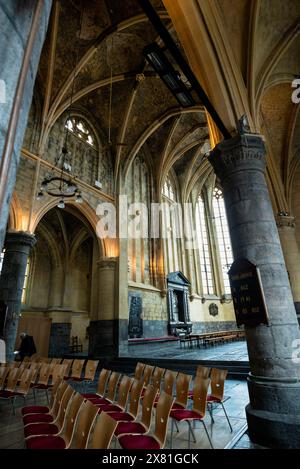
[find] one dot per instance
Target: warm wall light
(169, 75)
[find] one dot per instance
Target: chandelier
(59, 182)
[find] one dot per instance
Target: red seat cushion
(8, 394)
(37, 418)
(121, 416)
(109, 408)
(99, 401)
(129, 427)
(211, 398)
(185, 414)
(90, 395)
(40, 429)
(177, 406)
(35, 409)
(41, 386)
(138, 442)
(46, 442)
(76, 379)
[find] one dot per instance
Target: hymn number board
(247, 294)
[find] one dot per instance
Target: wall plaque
(247, 293)
(135, 324)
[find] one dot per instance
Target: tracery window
(25, 285)
(168, 190)
(223, 238)
(79, 128)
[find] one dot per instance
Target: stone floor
(232, 351)
(11, 427)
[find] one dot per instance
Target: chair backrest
(27, 378)
(182, 388)
(200, 391)
(71, 416)
(112, 385)
(4, 370)
(123, 393)
(60, 388)
(77, 368)
(203, 371)
(58, 372)
(44, 374)
(157, 377)
(169, 380)
(12, 379)
(45, 360)
(87, 415)
(103, 431)
(147, 406)
(102, 381)
(218, 378)
(26, 359)
(148, 370)
(55, 361)
(135, 394)
(63, 406)
(163, 410)
(68, 362)
(90, 369)
(139, 370)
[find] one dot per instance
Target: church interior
(149, 224)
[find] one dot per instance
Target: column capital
(244, 151)
(19, 238)
(107, 263)
(285, 221)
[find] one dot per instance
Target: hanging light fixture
(63, 185)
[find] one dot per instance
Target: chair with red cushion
(103, 431)
(202, 372)
(140, 426)
(111, 393)
(68, 362)
(168, 383)
(197, 413)
(77, 368)
(89, 372)
(54, 427)
(216, 396)
(158, 438)
(38, 409)
(37, 414)
(135, 394)
(120, 404)
(79, 420)
(138, 372)
(11, 392)
(43, 380)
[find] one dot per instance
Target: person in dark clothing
(27, 347)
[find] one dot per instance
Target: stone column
(287, 235)
(274, 381)
(17, 249)
(103, 332)
(23, 27)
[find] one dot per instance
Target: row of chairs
(70, 422)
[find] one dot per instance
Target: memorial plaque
(135, 324)
(247, 293)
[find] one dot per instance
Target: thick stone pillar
(274, 381)
(17, 249)
(287, 235)
(103, 332)
(23, 26)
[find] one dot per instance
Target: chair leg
(172, 427)
(231, 429)
(210, 442)
(189, 434)
(210, 409)
(191, 430)
(177, 429)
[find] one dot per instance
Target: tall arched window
(204, 250)
(222, 235)
(171, 228)
(168, 190)
(25, 284)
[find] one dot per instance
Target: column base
(273, 415)
(103, 340)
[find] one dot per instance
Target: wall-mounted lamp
(157, 58)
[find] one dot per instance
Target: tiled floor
(11, 427)
(233, 351)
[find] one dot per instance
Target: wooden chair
(157, 376)
(197, 413)
(43, 381)
(52, 428)
(63, 439)
(4, 370)
(102, 382)
(89, 372)
(68, 362)
(148, 370)
(135, 394)
(22, 390)
(77, 368)
(138, 372)
(103, 431)
(158, 438)
(39, 414)
(120, 404)
(112, 387)
(216, 396)
(85, 422)
(182, 391)
(143, 425)
(201, 372)
(58, 373)
(168, 383)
